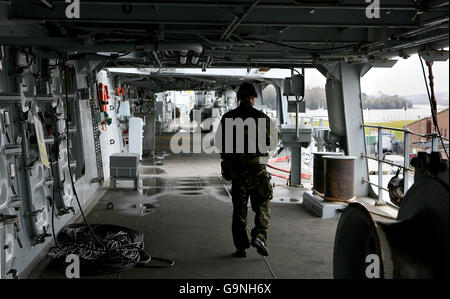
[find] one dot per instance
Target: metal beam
(343, 93)
(274, 4)
(233, 26)
(213, 23)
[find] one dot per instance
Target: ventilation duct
(183, 57)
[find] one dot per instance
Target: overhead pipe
(231, 28)
(47, 4)
(431, 25)
(210, 23)
(236, 22)
(436, 21)
(195, 57)
(74, 45)
(173, 47)
(434, 44)
(183, 56)
(327, 5)
(294, 5)
(155, 55)
(201, 79)
(402, 46)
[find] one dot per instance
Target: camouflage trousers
(259, 189)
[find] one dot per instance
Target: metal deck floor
(188, 219)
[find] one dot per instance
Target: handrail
(387, 162)
(406, 143)
(369, 182)
(396, 129)
(380, 160)
(403, 130)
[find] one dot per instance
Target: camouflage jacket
(247, 160)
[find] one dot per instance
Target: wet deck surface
(185, 213)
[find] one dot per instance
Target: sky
(404, 78)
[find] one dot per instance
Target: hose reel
(416, 245)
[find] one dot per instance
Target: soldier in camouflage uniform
(249, 177)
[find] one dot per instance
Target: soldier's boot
(260, 246)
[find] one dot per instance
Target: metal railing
(406, 169)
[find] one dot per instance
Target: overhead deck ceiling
(243, 33)
(159, 81)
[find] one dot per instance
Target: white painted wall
(112, 131)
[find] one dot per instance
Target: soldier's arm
(219, 139)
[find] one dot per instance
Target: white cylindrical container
(135, 135)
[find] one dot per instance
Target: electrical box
(124, 165)
(294, 86)
(287, 87)
(298, 85)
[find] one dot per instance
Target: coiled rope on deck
(120, 248)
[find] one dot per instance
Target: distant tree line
(384, 101)
(315, 98)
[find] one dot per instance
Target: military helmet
(245, 91)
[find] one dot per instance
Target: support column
(283, 115)
(296, 168)
(148, 143)
(345, 115)
(259, 98)
(277, 84)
